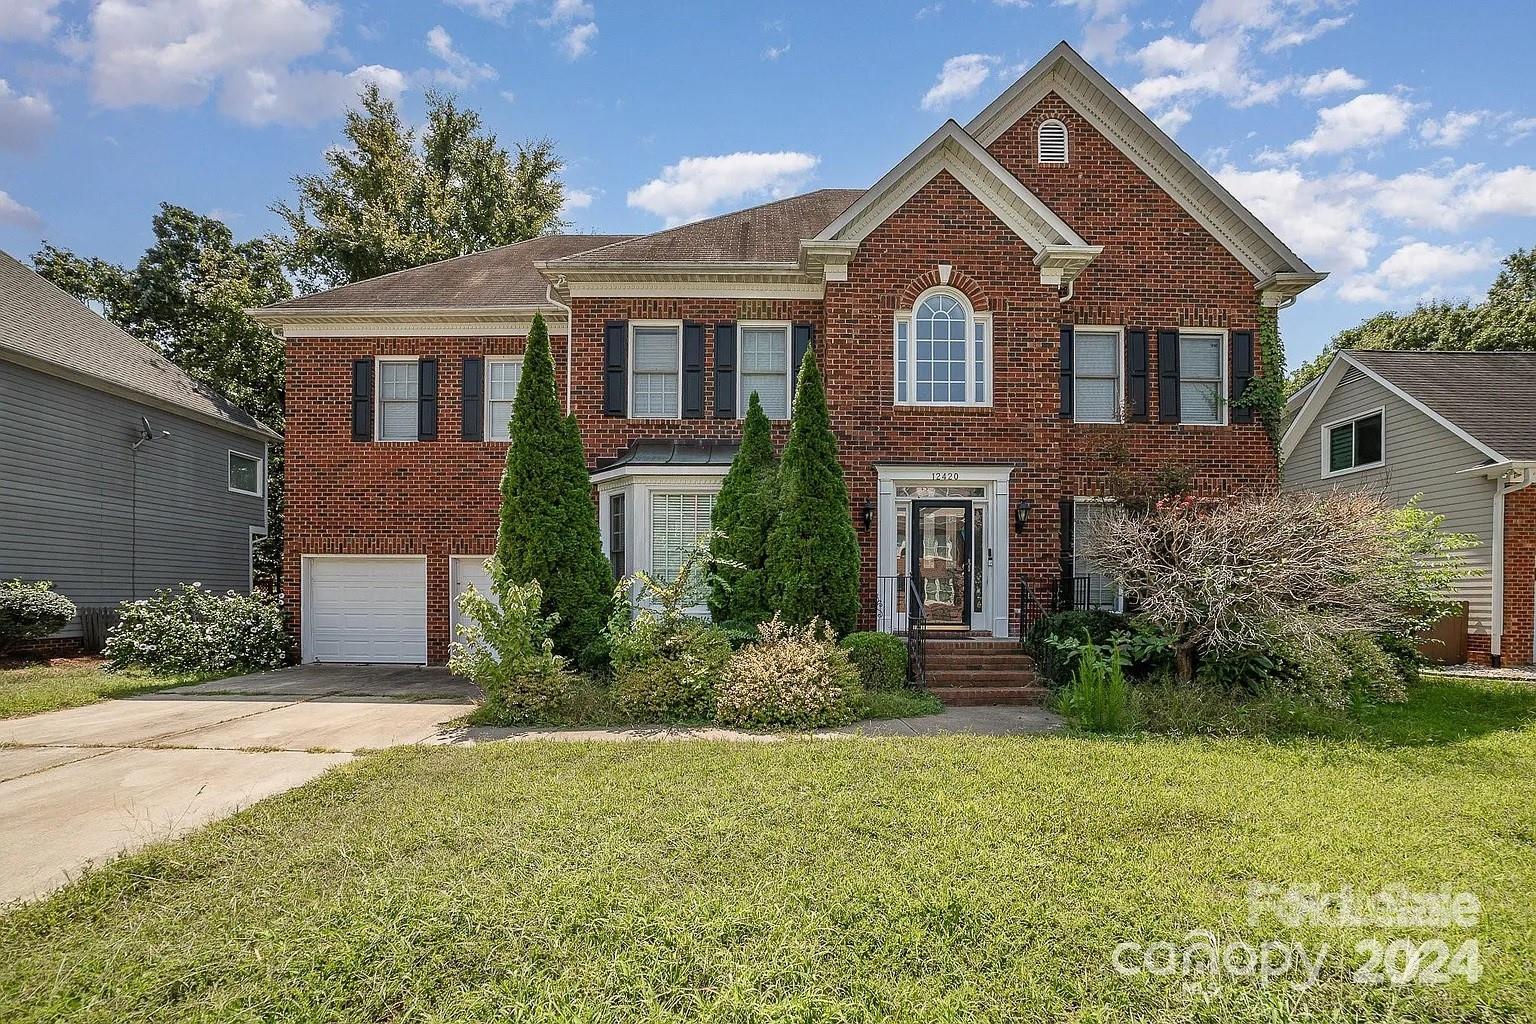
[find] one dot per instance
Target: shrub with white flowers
(791, 676)
(504, 646)
(190, 629)
(31, 611)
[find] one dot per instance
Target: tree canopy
(1504, 320)
(387, 203)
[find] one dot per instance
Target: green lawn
(951, 879)
(30, 687)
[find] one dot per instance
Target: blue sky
(1392, 143)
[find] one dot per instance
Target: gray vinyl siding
(1421, 457)
(68, 482)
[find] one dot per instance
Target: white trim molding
(1326, 428)
(261, 474)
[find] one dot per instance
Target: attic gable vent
(1351, 375)
(1053, 142)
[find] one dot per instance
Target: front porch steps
(976, 671)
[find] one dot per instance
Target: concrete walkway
(80, 786)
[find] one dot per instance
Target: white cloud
(694, 187)
(576, 199)
(177, 53)
(458, 72)
(959, 78)
(570, 10)
(1215, 16)
(17, 215)
(1510, 193)
(1326, 223)
(25, 118)
(1287, 38)
(281, 96)
(1451, 129)
(1325, 82)
(28, 21)
(775, 52)
(1173, 119)
(578, 41)
(1415, 264)
(492, 10)
(1366, 120)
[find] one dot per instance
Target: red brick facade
(1519, 577)
(1159, 269)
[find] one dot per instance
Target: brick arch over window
(959, 280)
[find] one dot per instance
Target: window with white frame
(1090, 587)
(1202, 378)
(656, 370)
(1353, 444)
(943, 352)
(398, 395)
(678, 522)
(244, 474)
(1096, 376)
(501, 378)
(764, 368)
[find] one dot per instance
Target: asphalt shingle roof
(1490, 395)
(43, 324)
(496, 278)
(770, 233)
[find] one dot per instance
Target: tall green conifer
(744, 513)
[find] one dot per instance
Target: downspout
(1496, 630)
(570, 334)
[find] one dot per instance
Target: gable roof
(1064, 72)
(47, 329)
(769, 233)
(1488, 399)
(499, 278)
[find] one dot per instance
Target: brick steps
(981, 670)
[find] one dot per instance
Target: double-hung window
(764, 368)
(1096, 376)
(501, 377)
(678, 523)
(245, 474)
(1202, 378)
(1353, 444)
(656, 372)
(398, 400)
(1090, 587)
(943, 352)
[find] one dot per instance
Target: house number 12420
(952, 475)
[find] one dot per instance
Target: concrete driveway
(79, 786)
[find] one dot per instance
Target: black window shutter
(1136, 372)
(804, 337)
(1242, 374)
(1168, 376)
(1067, 507)
(426, 399)
(362, 399)
(693, 370)
(1066, 370)
(725, 371)
(474, 398)
(615, 362)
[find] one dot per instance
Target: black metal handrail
(899, 607)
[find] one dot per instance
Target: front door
(941, 561)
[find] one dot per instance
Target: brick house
(1020, 310)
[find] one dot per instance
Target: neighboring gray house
(1458, 428)
(118, 473)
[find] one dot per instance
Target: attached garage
(365, 609)
(465, 570)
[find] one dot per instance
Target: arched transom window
(943, 352)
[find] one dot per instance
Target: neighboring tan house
(118, 473)
(1458, 428)
(1023, 309)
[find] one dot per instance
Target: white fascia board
(900, 181)
(1017, 99)
(666, 473)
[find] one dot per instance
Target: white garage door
(467, 570)
(366, 609)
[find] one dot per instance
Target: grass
(843, 880)
(28, 687)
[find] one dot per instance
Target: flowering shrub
(189, 629)
(31, 611)
(505, 647)
(793, 675)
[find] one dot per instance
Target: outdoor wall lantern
(1021, 514)
(869, 514)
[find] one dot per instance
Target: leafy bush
(881, 659)
(505, 647)
(794, 675)
(1098, 697)
(665, 673)
(1345, 670)
(31, 611)
(189, 629)
(1055, 663)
